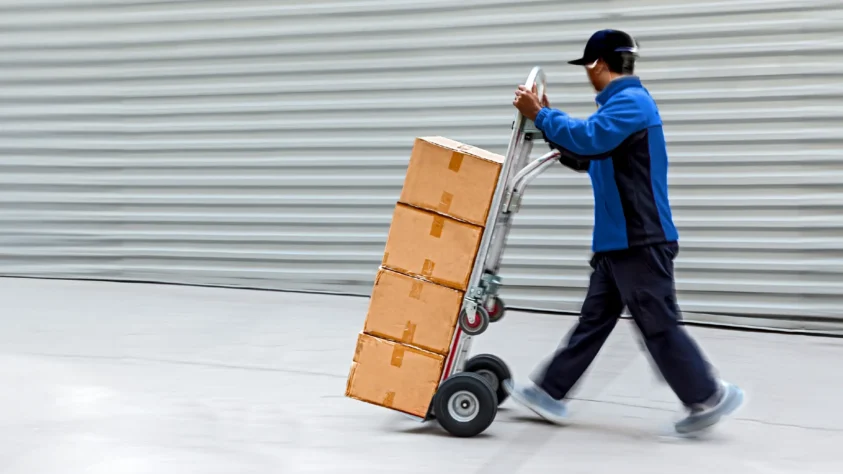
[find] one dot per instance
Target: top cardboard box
(451, 178)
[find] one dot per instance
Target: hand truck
(471, 390)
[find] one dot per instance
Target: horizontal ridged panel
(264, 143)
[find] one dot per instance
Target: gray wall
(263, 143)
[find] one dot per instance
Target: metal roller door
(263, 143)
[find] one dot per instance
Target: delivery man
(622, 147)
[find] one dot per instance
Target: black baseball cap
(605, 43)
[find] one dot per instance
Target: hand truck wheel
(494, 370)
(480, 323)
(465, 405)
(496, 309)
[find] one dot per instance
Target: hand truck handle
(525, 176)
(538, 79)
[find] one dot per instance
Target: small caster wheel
(479, 325)
(496, 309)
(494, 370)
(465, 405)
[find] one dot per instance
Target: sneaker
(538, 401)
(705, 416)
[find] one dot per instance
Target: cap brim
(580, 62)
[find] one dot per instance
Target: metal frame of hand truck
(470, 390)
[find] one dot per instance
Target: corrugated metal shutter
(263, 143)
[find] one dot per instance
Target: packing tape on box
(389, 399)
(427, 268)
(445, 202)
(416, 290)
(409, 333)
(437, 226)
(359, 349)
(456, 162)
(398, 356)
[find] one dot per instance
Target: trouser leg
(600, 313)
(645, 280)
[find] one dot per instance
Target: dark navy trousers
(640, 279)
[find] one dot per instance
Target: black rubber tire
(465, 405)
(498, 310)
(493, 370)
(480, 325)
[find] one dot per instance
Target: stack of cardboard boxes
(436, 230)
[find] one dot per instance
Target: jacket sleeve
(570, 160)
(595, 136)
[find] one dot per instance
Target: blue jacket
(622, 146)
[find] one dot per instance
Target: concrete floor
(118, 378)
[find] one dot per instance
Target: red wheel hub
(476, 322)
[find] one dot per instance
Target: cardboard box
(427, 245)
(412, 311)
(451, 178)
(393, 375)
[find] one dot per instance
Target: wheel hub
(463, 406)
(475, 323)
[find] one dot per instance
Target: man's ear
(601, 66)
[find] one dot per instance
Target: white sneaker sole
(729, 408)
(544, 414)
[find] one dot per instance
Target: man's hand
(527, 102)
